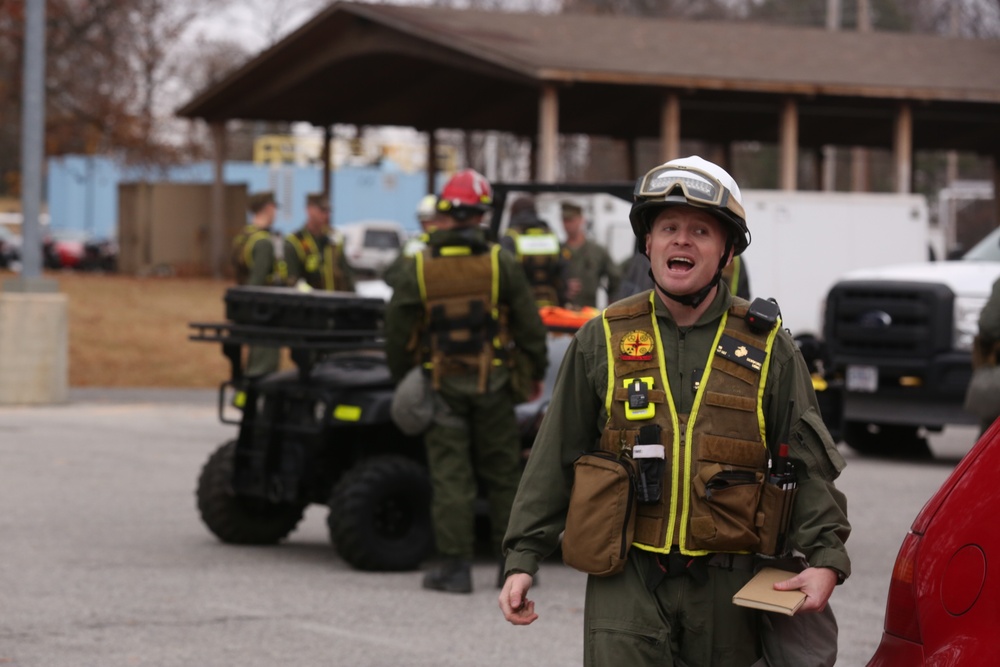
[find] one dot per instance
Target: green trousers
(680, 623)
(476, 439)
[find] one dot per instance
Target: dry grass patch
(133, 332)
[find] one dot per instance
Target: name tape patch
(743, 354)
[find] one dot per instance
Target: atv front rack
(307, 346)
(310, 324)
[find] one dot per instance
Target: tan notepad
(759, 593)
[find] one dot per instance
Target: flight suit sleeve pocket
(818, 449)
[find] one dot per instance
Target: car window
(987, 250)
(384, 239)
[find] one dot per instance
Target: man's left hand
(816, 582)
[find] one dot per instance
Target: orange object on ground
(564, 319)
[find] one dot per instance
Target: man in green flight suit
(256, 263)
(587, 263)
(314, 254)
(459, 310)
(683, 370)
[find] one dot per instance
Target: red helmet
(465, 194)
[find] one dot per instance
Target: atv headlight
(967, 309)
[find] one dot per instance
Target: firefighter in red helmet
(462, 316)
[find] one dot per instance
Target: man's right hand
(514, 602)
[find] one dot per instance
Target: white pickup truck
(900, 339)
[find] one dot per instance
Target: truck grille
(888, 319)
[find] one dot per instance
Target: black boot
(452, 575)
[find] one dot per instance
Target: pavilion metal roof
(429, 67)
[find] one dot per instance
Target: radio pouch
(600, 522)
(773, 516)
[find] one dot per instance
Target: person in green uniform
(314, 254)
(459, 311)
(256, 263)
(587, 263)
(682, 368)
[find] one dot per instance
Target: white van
(371, 245)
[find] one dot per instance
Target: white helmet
(427, 208)
(693, 181)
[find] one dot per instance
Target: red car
(944, 596)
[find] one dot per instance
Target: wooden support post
(903, 148)
(548, 134)
(789, 148)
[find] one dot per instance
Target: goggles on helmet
(698, 187)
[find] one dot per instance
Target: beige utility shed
(539, 76)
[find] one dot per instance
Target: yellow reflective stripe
(328, 266)
(455, 251)
(419, 257)
(736, 275)
(674, 422)
(297, 246)
(692, 420)
(347, 413)
(250, 243)
(495, 269)
(763, 381)
(611, 366)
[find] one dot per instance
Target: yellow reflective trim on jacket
(347, 413)
(760, 389)
(328, 266)
(250, 243)
(419, 257)
(300, 250)
(455, 251)
(495, 267)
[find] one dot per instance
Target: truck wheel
(893, 440)
(380, 514)
(237, 520)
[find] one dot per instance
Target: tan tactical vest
(321, 264)
(716, 456)
(465, 329)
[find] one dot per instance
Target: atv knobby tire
(380, 514)
(237, 520)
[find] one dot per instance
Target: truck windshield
(987, 250)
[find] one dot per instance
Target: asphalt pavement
(106, 562)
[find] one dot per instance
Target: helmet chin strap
(695, 299)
